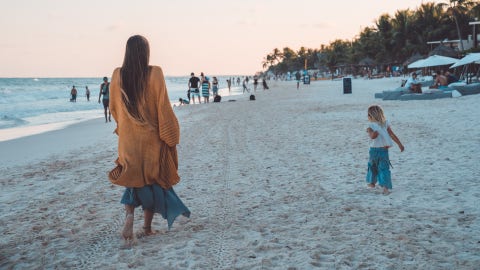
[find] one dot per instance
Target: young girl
(381, 135)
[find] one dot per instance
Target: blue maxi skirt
(379, 167)
(158, 200)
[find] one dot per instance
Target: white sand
(277, 183)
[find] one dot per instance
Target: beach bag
(252, 97)
(217, 98)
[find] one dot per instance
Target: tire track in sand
(221, 249)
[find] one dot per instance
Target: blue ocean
(39, 101)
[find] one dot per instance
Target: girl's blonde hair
(375, 114)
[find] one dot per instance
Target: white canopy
(432, 61)
(468, 59)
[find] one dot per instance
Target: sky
(64, 38)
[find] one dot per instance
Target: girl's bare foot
(386, 191)
(371, 185)
(127, 232)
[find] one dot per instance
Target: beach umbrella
(433, 61)
(367, 61)
(412, 59)
(444, 51)
(468, 59)
(416, 64)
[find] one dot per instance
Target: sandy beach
(275, 183)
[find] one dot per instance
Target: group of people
(103, 96)
(74, 93)
(442, 80)
(200, 86)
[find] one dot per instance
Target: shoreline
(27, 130)
(273, 183)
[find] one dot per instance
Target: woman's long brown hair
(134, 76)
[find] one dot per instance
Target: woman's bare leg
(147, 225)
(127, 232)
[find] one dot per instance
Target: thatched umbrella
(412, 59)
(443, 50)
(367, 61)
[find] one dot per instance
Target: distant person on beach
(441, 81)
(205, 88)
(413, 84)
(238, 81)
(183, 101)
(73, 94)
(193, 87)
(148, 132)
(245, 86)
(229, 84)
(215, 86)
(381, 135)
(87, 93)
(105, 92)
(450, 77)
(298, 77)
(264, 83)
(255, 83)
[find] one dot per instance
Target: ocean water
(31, 102)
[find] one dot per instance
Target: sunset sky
(65, 38)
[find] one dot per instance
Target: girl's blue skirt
(379, 167)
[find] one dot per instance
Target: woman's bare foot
(371, 185)
(386, 191)
(127, 232)
(148, 231)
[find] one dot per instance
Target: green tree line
(390, 41)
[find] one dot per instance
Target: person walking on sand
(245, 86)
(193, 87)
(105, 91)
(205, 89)
(215, 86)
(255, 83)
(73, 94)
(229, 84)
(148, 133)
(298, 77)
(87, 93)
(381, 135)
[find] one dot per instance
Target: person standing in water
(87, 93)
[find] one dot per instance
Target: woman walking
(148, 133)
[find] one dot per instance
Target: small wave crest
(10, 122)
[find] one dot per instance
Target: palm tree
(384, 30)
(456, 9)
(403, 34)
(428, 24)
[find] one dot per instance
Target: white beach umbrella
(416, 64)
(468, 59)
(433, 61)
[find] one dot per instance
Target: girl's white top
(383, 139)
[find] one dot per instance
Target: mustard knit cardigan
(147, 153)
